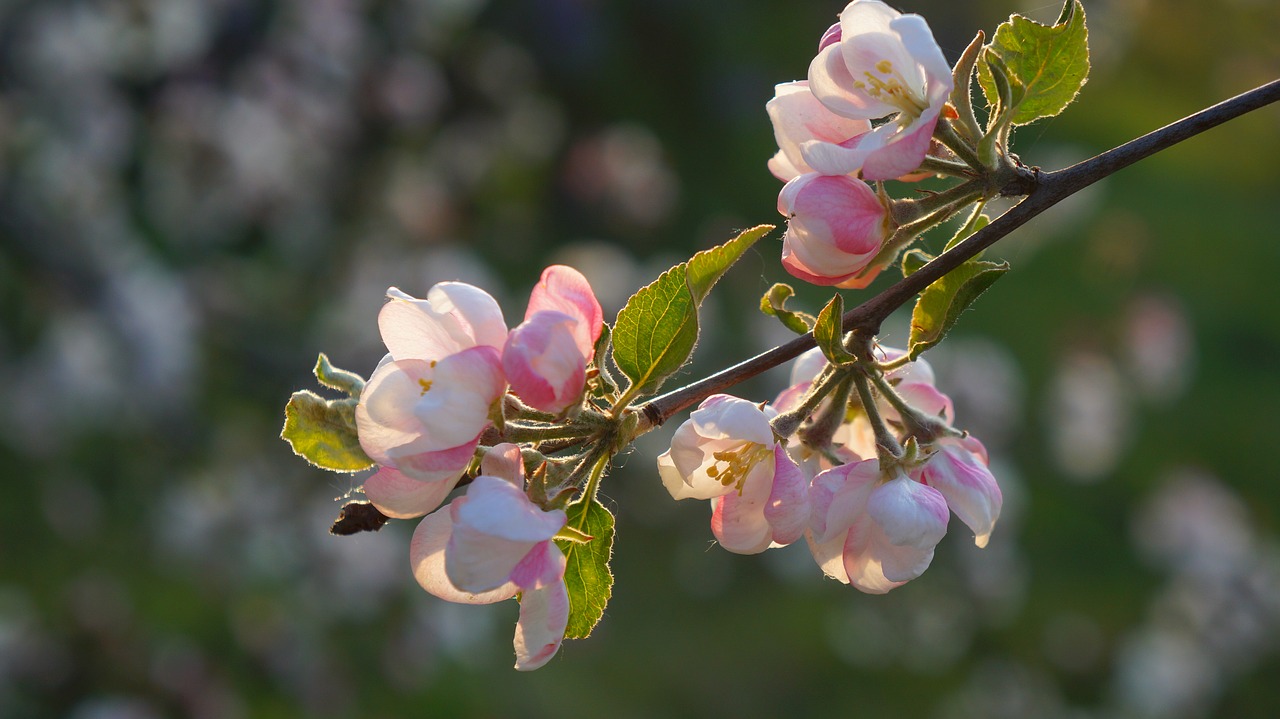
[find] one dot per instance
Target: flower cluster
(451, 362)
(875, 63)
(871, 517)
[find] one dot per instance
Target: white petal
(969, 487)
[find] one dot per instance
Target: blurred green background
(197, 197)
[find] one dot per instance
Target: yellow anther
(884, 66)
(425, 384)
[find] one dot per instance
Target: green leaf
(941, 303)
(323, 432)
(774, 303)
(976, 222)
(829, 334)
(656, 331)
(1049, 62)
(586, 573)
(603, 385)
(339, 379)
(914, 260)
(707, 267)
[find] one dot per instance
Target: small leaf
(603, 384)
(339, 379)
(656, 331)
(587, 574)
(323, 432)
(940, 305)
(774, 303)
(1049, 62)
(914, 260)
(829, 334)
(976, 222)
(707, 267)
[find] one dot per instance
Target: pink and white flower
(422, 412)
(726, 452)
(493, 544)
(835, 227)
(546, 357)
(873, 531)
(883, 63)
(798, 119)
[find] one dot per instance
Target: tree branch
(1045, 190)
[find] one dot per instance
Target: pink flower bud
(564, 289)
(835, 227)
(543, 363)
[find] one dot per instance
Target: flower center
(733, 465)
(891, 89)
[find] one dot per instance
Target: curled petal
(426, 558)
(839, 497)
(455, 316)
(723, 416)
(968, 486)
(385, 419)
(564, 289)
(401, 497)
(544, 615)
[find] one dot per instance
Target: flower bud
(835, 227)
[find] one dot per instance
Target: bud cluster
(871, 511)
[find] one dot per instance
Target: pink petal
(426, 557)
(401, 497)
(861, 562)
(839, 497)
(564, 289)
(504, 461)
(969, 488)
(435, 466)
(723, 416)
(787, 510)
(737, 520)
(543, 565)
(544, 615)
(903, 151)
(542, 363)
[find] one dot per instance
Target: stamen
(426, 385)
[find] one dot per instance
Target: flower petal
(455, 316)
(504, 462)
(968, 486)
(911, 514)
(737, 518)
(544, 615)
(787, 510)
(493, 530)
(564, 289)
(401, 497)
(426, 557)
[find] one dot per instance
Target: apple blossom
(835, 227)
(726, 452)
(546, 357)
(494, 543)
(799, 118)
(423, 419)
(883, 63)
(872, 530)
